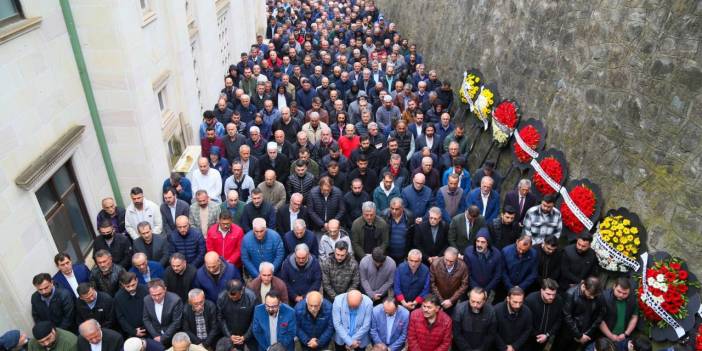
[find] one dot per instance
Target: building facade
(153, 67)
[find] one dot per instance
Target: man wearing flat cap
(13, 340)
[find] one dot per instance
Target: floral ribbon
(616, 255)
(525, 147)
(537, 167)
(575, 209)
(466, 90)
(477, 106)
(647, 297)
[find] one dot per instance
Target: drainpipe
(90, 99)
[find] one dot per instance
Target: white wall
(41, 98)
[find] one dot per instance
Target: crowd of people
(332, 207)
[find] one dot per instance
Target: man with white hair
(181, 342)
(199, 320)
(261, 245)
(521, 199)
(207, 179)
(266, 282)
(256, 142)
(300, 235)
(94, 337)
(486, 198)
(368, 231)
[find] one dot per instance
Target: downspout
(90, 99)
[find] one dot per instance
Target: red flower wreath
(553, 168)
(670, 285)
(698, 339)
(506, 114)
(531, 137)
(584, 198)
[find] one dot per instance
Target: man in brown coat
(449, 278)
(266, 282)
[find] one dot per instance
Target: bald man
(187, 240)
(315, 327)
(418, 197)
(352, 314)
(214, 275)
(94, 337)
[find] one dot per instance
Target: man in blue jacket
(417, 197)
(411, 281)
(485, 262)
(144, 269)
(487, 199)
(69, 274)
(520, 266)
(187, 240)
(351, 313)
(274, 322)
(315, 327)
(389, 325)
(213, 277)
(301, 273)
(261, 245)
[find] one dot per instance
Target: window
(10, 11)
(194, 49)
(162, 99)
(62, 204)
(223, 36)
(144, 4)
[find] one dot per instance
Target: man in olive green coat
(56, 339)
(368, 231)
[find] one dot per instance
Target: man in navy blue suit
(69, 274)
(487, 199)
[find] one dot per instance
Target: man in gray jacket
(377, 275)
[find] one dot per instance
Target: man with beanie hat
(13, 340)
(46, 337)
(485, 262)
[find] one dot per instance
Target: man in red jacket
(225, 238)
(429, 327)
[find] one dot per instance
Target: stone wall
(617, 83)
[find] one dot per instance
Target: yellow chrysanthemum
(620, 247)
(626, 222)
(615, 239)
(637, 241)
(634, 230)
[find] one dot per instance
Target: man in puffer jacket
(339, 272)
(261, 245)
(301, 273)
(485, 262)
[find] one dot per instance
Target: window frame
(16, 18)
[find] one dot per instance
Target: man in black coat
(129, 305)
(620, 319)
(91, 333)
(521, 199)
(92, 304)
(203, 312)
(325, 202)
(583, 310)
(275, 161)
(549, 257)
(116, 243)
(431, 237)
(257, 208)
(179, 276)
(114, 214)
(353, 200)
(235, 309)
(577, 262)
(514, 322)
(504, 230)
(170, 209)
(163, 323)
(474, 323)
(155, 247)
(283, 214)
(53, 304)
(546, 307)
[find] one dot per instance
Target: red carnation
(682, 274)
(676, 266)
(553, 169)
(669, 276)
(506, 114)
(531, 137)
